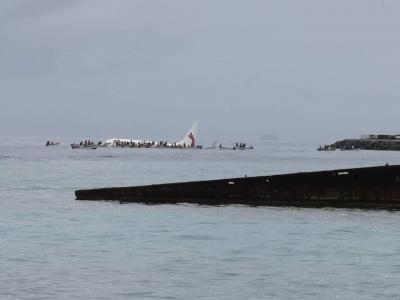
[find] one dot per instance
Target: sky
(149, 68)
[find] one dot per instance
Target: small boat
(226, 148)
(48, 144)
(244, 148)
(77, 146)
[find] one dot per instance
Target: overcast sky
(148, 68)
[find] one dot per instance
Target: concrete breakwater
(367, 144)
(372, 188)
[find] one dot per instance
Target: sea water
(54, 247)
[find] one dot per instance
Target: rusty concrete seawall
(372, 188)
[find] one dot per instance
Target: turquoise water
(54, 247)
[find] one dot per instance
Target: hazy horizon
(241, 69)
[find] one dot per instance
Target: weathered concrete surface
(367, 144)
(373, 188)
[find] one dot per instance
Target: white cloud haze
(151, 67)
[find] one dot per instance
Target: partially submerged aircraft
(213, 146)
(188, 141)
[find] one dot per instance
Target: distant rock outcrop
(368, 144)
(269, 137)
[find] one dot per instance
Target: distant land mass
(269, 137)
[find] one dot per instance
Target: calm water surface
(53, 247)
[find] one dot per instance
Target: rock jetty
(388, 144)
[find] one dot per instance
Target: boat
(370, 188)
(226, 148)
(243, 148)
(237, 146)
(49, 144)
(77, 146)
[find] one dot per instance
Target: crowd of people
(240, 145)
(326, 148)
(117, 143)
(148, 144)
(132, 144)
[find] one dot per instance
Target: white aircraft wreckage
(188, 141)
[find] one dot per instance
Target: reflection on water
(55, 247)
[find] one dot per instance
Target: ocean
(54, 247)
